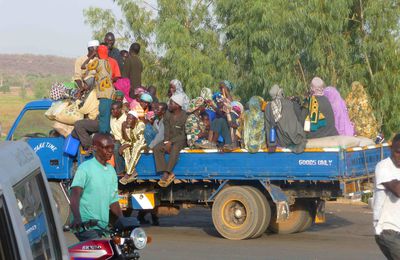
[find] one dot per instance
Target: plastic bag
(333, 141)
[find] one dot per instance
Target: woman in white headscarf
(175, 87)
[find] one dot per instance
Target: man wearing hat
(79, 74)
(174, 139)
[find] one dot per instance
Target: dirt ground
(347, 234)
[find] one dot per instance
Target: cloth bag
(63, 129)
(70, 114)
(90, 106)
(55, 109)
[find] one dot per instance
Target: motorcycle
(124, 242)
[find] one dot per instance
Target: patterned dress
(193, 127)
(360, 112)
(253, 128)
(137, 143)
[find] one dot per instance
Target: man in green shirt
(95, 189)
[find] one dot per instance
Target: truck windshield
(33, 124)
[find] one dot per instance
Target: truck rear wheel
(265, 210)
(236, 213)
(299, 219)
(61, 201)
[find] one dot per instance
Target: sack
(365, 141)
(63, 129)
(333, 141)
(90, 106)
(69, 115)
(55, 108)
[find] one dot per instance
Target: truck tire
(236, 214)
(309, 220)
(61, 202)
(265, 210)
(299, 218)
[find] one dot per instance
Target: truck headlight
(139, 238)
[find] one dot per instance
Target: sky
(47, 27)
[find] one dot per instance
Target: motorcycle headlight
(139, 238)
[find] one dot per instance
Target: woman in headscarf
(194, 127)
(281, 119)
(132, 144)
(317, 113)
(175, 87)
(342, 121)
(360, 112)
(253, 127)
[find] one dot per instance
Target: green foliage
(5, 89)
(258, 43)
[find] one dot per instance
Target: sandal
(128, 178)
(166, 182)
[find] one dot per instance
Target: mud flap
(320, 212)
(281, 201)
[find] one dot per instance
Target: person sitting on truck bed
(386, 206)
(95, 189)
(195, 129)
(174, 139)
(342, 121)
(253, 127)
(316, 113)
(118, 117)
(133, 143)
(225, 124)
(159, 109)
(281, 119)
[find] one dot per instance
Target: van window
(34, 205)
(8, 246)
(33, 124)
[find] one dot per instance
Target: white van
(29, 223)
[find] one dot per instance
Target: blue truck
(247, 193)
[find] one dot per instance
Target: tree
(289, 42)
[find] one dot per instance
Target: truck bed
(323, 164)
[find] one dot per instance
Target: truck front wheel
(61, 201)
(236, 213)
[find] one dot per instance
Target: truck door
(38, 132)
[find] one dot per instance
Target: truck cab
(30, 228)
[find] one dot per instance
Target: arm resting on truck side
(393, 186)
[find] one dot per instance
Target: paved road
(347, 234)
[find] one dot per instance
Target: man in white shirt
(117, 118)
(387, 203)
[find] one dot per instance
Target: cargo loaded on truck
(247, 193)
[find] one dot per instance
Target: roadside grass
(11, 105)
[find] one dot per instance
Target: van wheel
(265, 210)
(236, 213)
(299, 220)
(61, 202)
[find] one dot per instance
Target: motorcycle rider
(95, 189)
